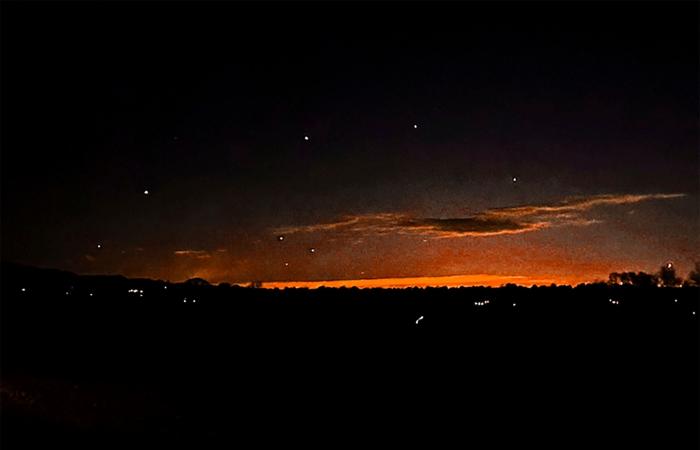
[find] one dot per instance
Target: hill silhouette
(95, 359)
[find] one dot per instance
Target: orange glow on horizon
(437, 281)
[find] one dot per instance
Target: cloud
(490, 222)
(198, 254)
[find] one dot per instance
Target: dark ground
(319, 368)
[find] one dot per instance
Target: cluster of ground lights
(478, 304)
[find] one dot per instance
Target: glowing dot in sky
(669, 265)
(280, 238)
(312, 250)
(515, 179)
(99, 245)
(306, 138)
(415, 126)
(145, 192)
(24, 290)
(286, 264)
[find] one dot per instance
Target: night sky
(390, 143)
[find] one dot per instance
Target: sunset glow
(420, 282)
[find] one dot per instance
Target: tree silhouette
(694, 275)
(197, 282)
(639, 279)
(667, 276)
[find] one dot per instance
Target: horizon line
(474, 280)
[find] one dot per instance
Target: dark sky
(592, 108)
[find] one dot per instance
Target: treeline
(665, 277)
(66, 284)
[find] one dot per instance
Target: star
(145, 192)
(515, 179)
(415, 126)
(280, 238)
(312, 250)
(99, 245)
(286, 264)
(306, 138)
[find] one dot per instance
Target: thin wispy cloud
(198, 254)
(490, 222)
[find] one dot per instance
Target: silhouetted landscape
(95, 359)
(290, 225)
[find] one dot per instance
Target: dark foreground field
(542, 367)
